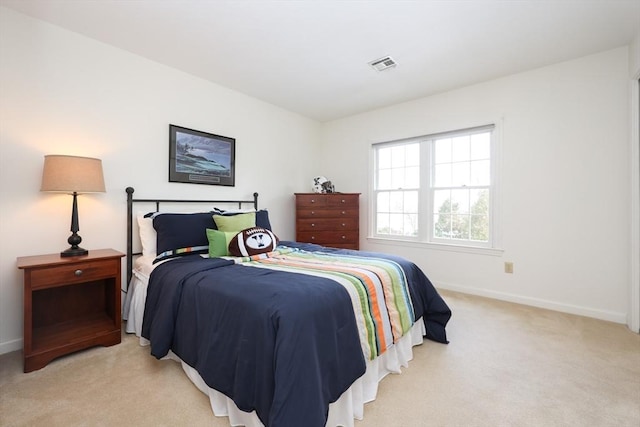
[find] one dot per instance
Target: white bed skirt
(348, 407)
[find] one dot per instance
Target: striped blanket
(377, 287)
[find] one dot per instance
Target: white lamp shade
(72, 174)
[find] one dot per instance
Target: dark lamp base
(74, 252)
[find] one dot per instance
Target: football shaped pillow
(252, 241)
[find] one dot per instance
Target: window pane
(442, 175)
(397, 178)
(443, 150)
(460, 201)
(396, 223)
(460, 148)
(383, 202)
(460, 174)
(441, 201)
(412, 177)
(480, 145)
(479, 202)
(411, 225)
(384, 158)
(442, 226)
(382, 223)
(384, 179)
(412, 155)
(396, 202)
(397, 156)
(460, 226)
(480, 172)
(480, 228)
(411, 202)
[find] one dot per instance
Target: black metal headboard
(131, 201)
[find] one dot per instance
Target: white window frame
(425, 236)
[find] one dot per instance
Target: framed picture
(200, 157)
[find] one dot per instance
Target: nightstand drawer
(73, 273)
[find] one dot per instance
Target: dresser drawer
(328, 224)
(330, 200)
(329, 238)
(325, 212)
(73, 273)
(343, 201)
(310, 201)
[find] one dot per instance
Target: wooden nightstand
(70, 304)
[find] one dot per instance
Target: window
(438, 188)
(398, 184)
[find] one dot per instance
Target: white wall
(565, 178)
(61, 93)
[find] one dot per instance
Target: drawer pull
(343, 212)
(344, 225)
(313, 212)
(344, 237)
(313, 224)
(78, 273)
(342, 200)
(313, 237)
(313, 200)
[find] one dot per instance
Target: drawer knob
(343, 212)
(313, 237)
(313, 212)
(313, 200)
(78, 273)
(344, 237)
(342, 200)
(313, 224)
(344, 225)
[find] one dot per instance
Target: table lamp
(74, 175)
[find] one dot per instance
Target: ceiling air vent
(383, 63)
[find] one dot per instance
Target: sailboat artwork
(200, 157)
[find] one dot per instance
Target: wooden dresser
(328, 219)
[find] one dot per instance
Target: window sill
(438, 246)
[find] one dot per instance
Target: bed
(285, 335)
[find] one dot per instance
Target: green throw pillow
(219, 242)
(235, 223)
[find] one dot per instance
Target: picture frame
(198, 157)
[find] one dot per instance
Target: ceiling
(311, 56)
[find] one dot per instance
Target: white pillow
(233, 211)
(148, 236)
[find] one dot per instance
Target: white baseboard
(9, 346)
(610, 316)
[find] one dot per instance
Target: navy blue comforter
(280, 343)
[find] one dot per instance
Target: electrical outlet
(508, 267)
